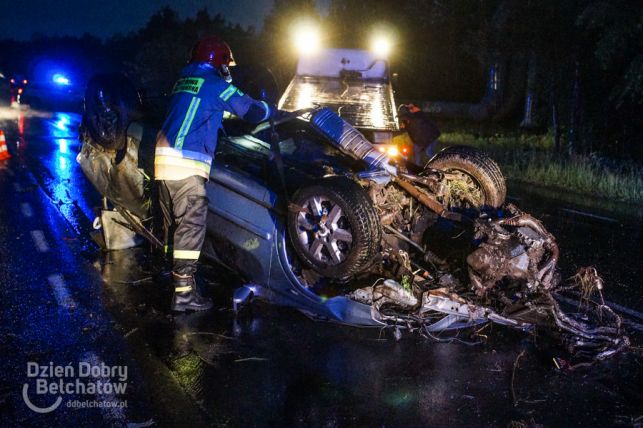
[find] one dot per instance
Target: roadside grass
(532, 159)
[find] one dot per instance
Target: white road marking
(17, 187)
(615, 307)
(619, 308)
(26, 209)
(40, 241)
(61, 293)
(590, 215)
(115, 415)
(633, 324)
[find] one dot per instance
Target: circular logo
(35, 408)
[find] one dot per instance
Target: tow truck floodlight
(306, 37)
(60, 79)
(381, 46)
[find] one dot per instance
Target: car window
(302, 146)
(243, 152)
(298, 142)
(305, 152)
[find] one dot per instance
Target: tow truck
(355, 83)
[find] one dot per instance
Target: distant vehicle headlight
(306, 37)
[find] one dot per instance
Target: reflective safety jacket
(187, 141)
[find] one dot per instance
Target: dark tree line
(573, 67)
(580, 62)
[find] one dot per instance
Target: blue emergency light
(60, 79)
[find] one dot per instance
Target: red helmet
(212, 50)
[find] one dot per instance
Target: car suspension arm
(428, 201)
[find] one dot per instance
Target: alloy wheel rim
(324, 231)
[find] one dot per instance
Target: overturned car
(311, 215)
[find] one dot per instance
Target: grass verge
(532, 159)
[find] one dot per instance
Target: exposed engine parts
(513, 249)
(401, 215)
(512, 277)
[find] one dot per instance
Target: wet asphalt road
(67, 302)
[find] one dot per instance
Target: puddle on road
(48, 143)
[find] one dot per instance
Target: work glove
(391, 169)
(277, 114)
(381, 163)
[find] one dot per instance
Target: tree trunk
(555, 120)
(573, 144)
(528, 116)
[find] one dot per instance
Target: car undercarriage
(347, 234)
(509, 275)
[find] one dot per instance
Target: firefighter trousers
(185, 207)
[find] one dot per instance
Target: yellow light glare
(305, 96)
(392, 151)
(306, 37)
(381, 46)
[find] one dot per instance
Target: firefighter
(422, 131)
(185, 147)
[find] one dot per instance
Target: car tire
(349, 211)
(111, 103)
(479, 167)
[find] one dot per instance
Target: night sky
(103, 18)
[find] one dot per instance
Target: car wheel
(473, 179)
(334, 228)
(111, 103)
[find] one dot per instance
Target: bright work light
(306, 37)
(381, 46)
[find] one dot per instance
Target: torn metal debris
(513, 277)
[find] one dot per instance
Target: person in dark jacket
(422, 131)
(185, 147)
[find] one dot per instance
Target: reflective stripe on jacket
(187, 141)
(174, 164)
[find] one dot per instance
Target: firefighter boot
(186, 297)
